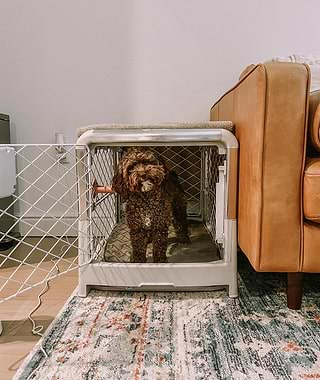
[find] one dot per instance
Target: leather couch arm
(269, 108)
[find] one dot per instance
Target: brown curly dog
(155, 199)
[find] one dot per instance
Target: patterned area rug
(185, 336)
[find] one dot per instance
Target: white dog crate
(205, 158)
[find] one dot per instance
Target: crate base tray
(201, 249)
(159, 277)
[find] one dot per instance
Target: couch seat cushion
(311, 190)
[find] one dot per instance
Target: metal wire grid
(109, 232)
(212, 160)
(186, 161)
(198, 170)
(104, 209)
(110, 235)
(43, 216)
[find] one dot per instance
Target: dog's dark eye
(131, 168)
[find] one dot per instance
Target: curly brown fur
(154, 197)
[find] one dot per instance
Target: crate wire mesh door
(206, 161)
(198, 171)
(43, 216)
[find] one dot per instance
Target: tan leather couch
(277, 125)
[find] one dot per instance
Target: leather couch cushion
(311, 190)
(314, 124)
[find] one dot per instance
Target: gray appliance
(6, 221)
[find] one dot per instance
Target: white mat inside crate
(206, 125)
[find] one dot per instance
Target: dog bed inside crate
(202, 249)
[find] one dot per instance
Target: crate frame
(161, 276)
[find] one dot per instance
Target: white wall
(69, 63)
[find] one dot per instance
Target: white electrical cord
(37, 330)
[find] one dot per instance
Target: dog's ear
(163, 163)
(120, 183)
(172, 183)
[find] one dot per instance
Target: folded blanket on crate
(207, 125)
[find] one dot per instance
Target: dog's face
(140, 170)
(145, 176)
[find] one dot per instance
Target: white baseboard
(61, 228)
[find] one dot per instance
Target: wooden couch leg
(294, 290)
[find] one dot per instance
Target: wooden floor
(17, 339)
